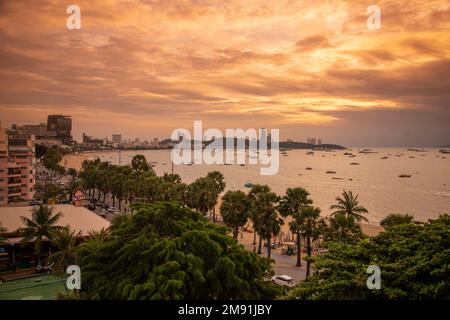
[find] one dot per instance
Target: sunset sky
(310, 68)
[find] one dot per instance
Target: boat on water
(404, 176)
(308, 168)
(249, 185)
(383, 158)
(444, 151)
(354, 164)
(310, 153)
(347, 153)
(330, 172)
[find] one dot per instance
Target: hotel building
(17, 167)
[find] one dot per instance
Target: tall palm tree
(348, 205)
(394, 219)
(312, 227)
(218, 185)
(65, 240)
(139, 164)
(254, 195)
(41, 227)
(266, 221)
(291, 205)
(235, 209)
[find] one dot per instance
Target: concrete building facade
(17, 167)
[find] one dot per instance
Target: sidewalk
(283, 264)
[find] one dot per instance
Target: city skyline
(310, 69)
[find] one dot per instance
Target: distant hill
(282, 145)
(303, 145)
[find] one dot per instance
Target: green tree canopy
(166, 251)
(414, 260)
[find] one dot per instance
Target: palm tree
(394, 219)
(348, 205)
(343, 228)
(200, 195)
(139, 164)
(312, 227)
(235, 209)
(41, 226)
(72, 187)
(218, 185)
(65, 240)
(264, 214)
(291, 205)
(101, 235)
(254, 201)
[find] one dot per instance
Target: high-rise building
(60, 127)
(319, 142)
(117, 138)
(17, 167)
(311, 140)
(38, 130)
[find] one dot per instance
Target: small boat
(404, 176)
(354, 164)
(330, 172)
(383, 158)
(249, 185)
(242, 165)
(310, 153)
(411, 157)
(334, 178)
(347, 153)
(308, 168)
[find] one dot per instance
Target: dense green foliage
(166, 251)
(395, 219)
(414, 260)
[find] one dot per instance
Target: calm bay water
(426, 194)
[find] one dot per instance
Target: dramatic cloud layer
(310, 68)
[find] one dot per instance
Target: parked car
(103, 212)
(274, 245)
(35, 202)
(111, 209)
(283, 280)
